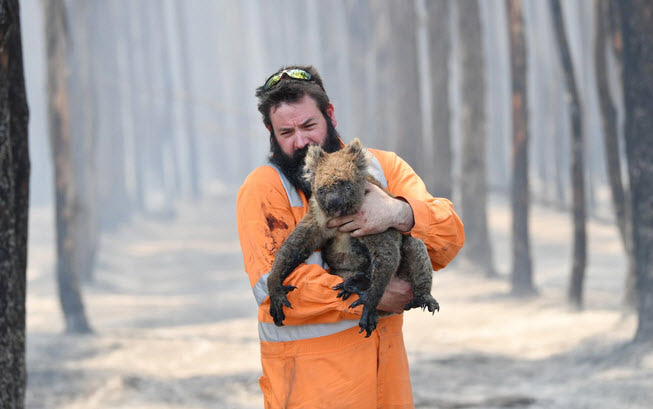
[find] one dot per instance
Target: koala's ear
(313, 156)
(315, 153)
(355, 147)
(361, 155)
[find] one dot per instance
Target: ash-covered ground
(175, 323)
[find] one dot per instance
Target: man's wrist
(405, 220)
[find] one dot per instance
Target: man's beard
(293, 166)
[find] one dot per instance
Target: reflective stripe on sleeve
(291, 192)
(260, 289)
(271, 333)
(376, 171)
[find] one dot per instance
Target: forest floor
(175, 323)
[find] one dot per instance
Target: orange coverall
(319, 359)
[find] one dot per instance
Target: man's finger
(339, 221)
(348, 227)
(357, 233)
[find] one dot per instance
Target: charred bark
(522, 274)
(383, 131)
(439, 18)
(114, 202)
(14, 203)
(187, 86)
(67, 196)
(620, 196)
(84, 116)
(637, 26)
(406, 112)
(169, 157)
(578, 185)
(140, 126)
(359, 29)
(473, 184)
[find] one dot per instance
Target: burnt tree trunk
(578, 185)
(620, 197)
(637, 25)
(149, 150)
(166, 124)
(189, 125)
(473, 184)
(383, 132)
(14, 203)
(137, 77)
(407, 114)
(361, 54)
(114, 203)
(67, 195)
(84, 115)
(439, 22)
(522, 274)
(331, 54)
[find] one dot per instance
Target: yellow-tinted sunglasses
(295, 73)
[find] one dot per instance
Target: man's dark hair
(289, 90)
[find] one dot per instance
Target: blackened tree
(14, 202)
(637, 26)
(620, 195)
(473, 181)
(578, 185)
(522, 275)
(439, 23)
(67, 195)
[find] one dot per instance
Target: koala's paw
(362, 300)
(424, 301)
(277, 300)
(356, 284)
(368, 321)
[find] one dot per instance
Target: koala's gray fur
(366, 264)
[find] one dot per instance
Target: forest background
(533, 116)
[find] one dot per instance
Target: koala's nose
(333, 201)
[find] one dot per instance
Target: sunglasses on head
(295, 73)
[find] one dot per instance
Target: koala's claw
(362, 300)
(369, 320)
(356, 284)
(425, 301)
(277, 300)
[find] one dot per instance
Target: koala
(366, 264)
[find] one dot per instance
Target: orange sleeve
(265, 219)
(436, 222)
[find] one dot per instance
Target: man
(319, 359)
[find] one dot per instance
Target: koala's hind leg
(416, 268)
(384, 262)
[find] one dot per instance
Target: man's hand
(397, 294)
(378, 213)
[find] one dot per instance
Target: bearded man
(318, 359)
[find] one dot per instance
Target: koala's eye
(348, 186)
(320, 190)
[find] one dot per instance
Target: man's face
(295, 126)
(299, 124)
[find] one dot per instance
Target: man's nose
(301, 140)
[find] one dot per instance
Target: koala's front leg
(384, 261)
(299, 245)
